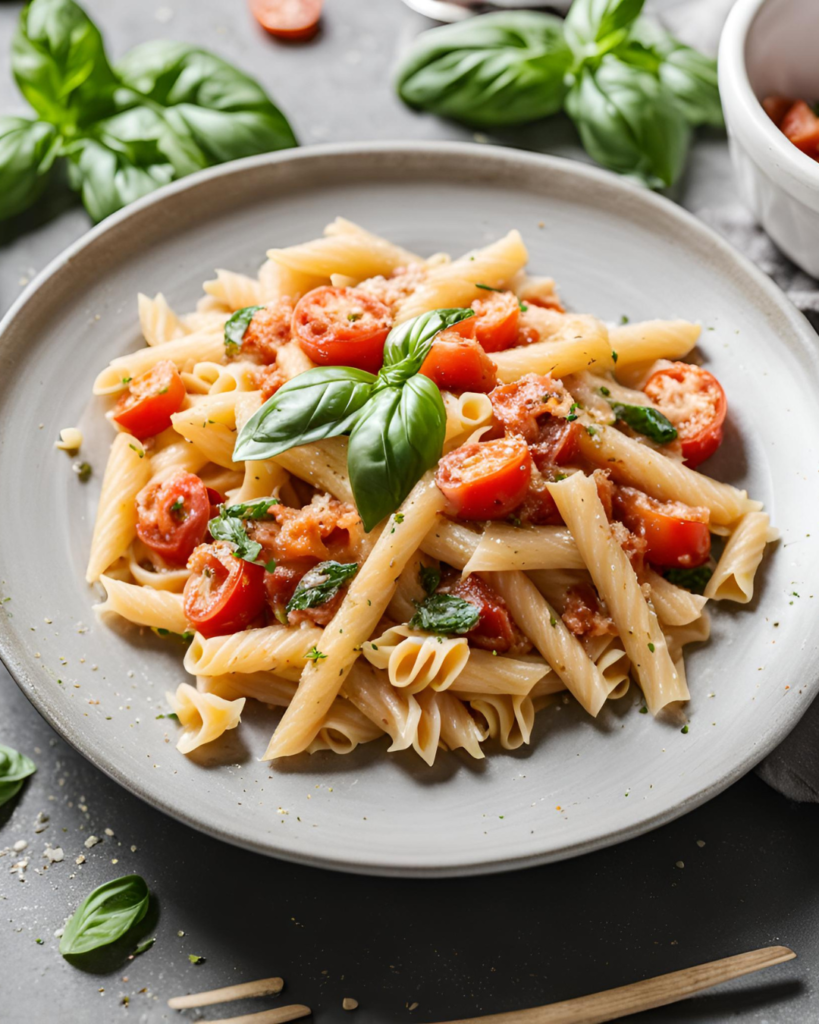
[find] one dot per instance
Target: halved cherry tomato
(146, 407)
(486, 479)
(342, 327)
(776, 107)
(558, 443)
(495, 324)
(495, 630)
(801, 126)
(288, 19)
(455, 363)
(693, 399)
(215, 499)
(676, 535)
(173, 515)
(223, 593)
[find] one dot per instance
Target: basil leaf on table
(694, 580)
(59, 62)
(320, 585)
(27, 151)
(237, 324)
(646, 420)
(393, 445)
(498, 69)
(629, 122)
(322, 402)
(599, 21)
(445, 613)
(15, 768)
(105, 915)
(408, 344)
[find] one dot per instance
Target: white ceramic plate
(582, 784)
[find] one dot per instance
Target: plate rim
(13, 653)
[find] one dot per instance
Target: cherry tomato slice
(801, 126)
(486, 479)
(776, 107)
(456, 363)
(223, 593)
(342, 327)
(495, 630)
(173, 515)
(495, 324)
(146, 407)
(693, 399)
(676, 535)
(288, 19)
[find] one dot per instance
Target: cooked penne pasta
(503, 547)
(733, 578)
(145, 606)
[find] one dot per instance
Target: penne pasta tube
(582, 510)
(631, 462)
(653, 339)
(323, 464)
(582, 343)
(674, 605)
(396, 713)
(210, 425)
(207, 345)
(277, 649)
(364, 603)
(733, 578)
(503, 547)
(144, 606)
(450, 542)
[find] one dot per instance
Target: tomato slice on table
(288, 19)
(223, 593)
(486, 479)
(146, 407)
(173, 515)
(456, 363)
(342, 327)
(693, 399)
(676, 535)
(495, 323)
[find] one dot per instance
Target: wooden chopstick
(262, 987)
(642, 995)
(277, 1016)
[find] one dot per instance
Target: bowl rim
(733, 69)
(16, 655)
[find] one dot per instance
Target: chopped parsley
(614, 355)
(140, 452)
(514, 520)
(572, 414)
(651, 647)
(624, 319)
(552, 621)
(522, 306)
(488, 287)
(314, 655)
(178, 510)
(591, 431)
(399, 517)
(604, 391)
(684, 730)
(194, 959)
(352, 317)
(83, 470)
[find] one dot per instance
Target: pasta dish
(415, 497)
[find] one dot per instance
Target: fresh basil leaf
(232, 531)
(689, 76)
(236, 326)
(445, 613)
(599, 21)
(27, 151)
(222, 113)
(408, 344)
(629, 122)
(105, 915)
(646, 420)
(391, 447)
(323, 402)
(59, 62)
(320, 585)
(430, 578)
(499, 69)
(256, 509)
(694, 580)
(15, 768)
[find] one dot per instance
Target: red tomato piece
(486, 479)
(456, 363)
(524, 406)
(583, 613)
(146, 407)
(495, 323)
(173, 515)
(557, 445)
(268, 331)
(801, 126)
(676, 535)
(495, 630)
(776, 107)
(693, 399)
(288, 19)
(342, 327)
(224, 593)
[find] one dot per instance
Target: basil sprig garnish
(105, 915)
(15, 768)
(396, 420)
(694, 580)
(320, 585)
(236, 326)
(633, 91)
(647, 421)
(445, 613)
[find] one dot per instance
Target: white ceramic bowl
(768, 47)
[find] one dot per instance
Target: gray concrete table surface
(736, 874)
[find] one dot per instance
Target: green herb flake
(167, 634)
(352, 317)
(572, 414)
(624, 319)
(194, 959)
(399, 517)
(488, 287)
(614, 356)
(515, 520)
(684, 730)
(523, 307)
(83, 471)
(552, 621)
(39, 942)
(143, 947)
(591, 431)
(127, 380)
(314, 655)
(604, 391)
(140, 452)
(270, 566)
(643, 710)
(444, 613)
(651, 647)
